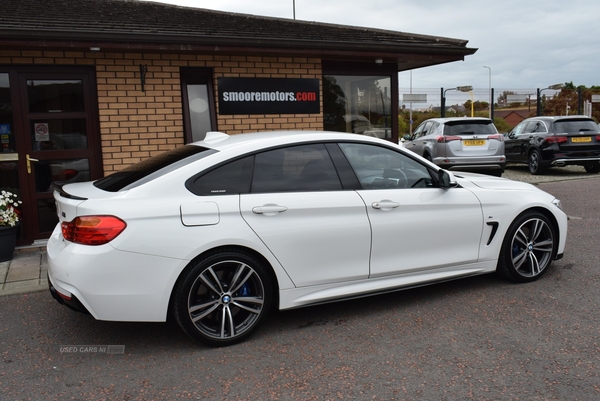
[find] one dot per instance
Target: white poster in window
(42, 133)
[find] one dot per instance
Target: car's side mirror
(446, 179)
(407, 137)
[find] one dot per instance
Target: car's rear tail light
(447, 138)
(498, 137)
(557, 139)
(597, 138)
(93, 230)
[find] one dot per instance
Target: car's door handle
(269, 210)
(385, 205)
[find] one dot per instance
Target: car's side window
(542, 128)
(295, 169)
(532, 127)
(517, 131)
(426, 129)
(382, 168)
(418, 131)
(229, 179)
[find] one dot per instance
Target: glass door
(49, 133)
(9, 157)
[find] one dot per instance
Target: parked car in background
(460, 143)
(213, 234)
(555, 141)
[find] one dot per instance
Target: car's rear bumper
(575, 161)
(109, 284)
(473, 165)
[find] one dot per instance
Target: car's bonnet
(490, 182)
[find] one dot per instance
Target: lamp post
(458, 88)
(490, 88)
(539, 92)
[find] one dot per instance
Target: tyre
(222, 299)
(592, 168)
(535, 160)
(528, 248)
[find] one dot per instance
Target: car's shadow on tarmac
(70, 328)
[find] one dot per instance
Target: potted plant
(10, 216)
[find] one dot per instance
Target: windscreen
(152, 167)
(470, 128)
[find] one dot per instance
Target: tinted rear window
(575, 126)
(470, 128)
(152, 168)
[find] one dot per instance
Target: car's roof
(466, 119)
(257, 140)
(558, 118)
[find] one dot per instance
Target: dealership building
(88, 87)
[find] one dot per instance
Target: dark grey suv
(547, 141)
(460, 143)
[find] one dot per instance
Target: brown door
(56, 139)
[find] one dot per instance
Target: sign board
(414, 98)
(268, 96)
(516, 98)
(595, 98)
(42, 134)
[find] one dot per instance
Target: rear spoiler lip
(58, 187)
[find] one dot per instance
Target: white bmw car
(215, 233)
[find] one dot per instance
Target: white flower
(9, 202)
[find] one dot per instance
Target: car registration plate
(581, 139)
(474, 142)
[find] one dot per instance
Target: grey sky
(527, 44)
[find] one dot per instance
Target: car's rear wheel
(535, 160)
(222, 298)
(527, 248)
(592, 168)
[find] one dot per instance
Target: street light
(443, 92)
(490, 88)
(539, 92)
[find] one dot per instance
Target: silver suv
(460, 143)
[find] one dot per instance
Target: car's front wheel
(535, 160)
(222, 298)
(527, 248)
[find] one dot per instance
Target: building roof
(144, 26)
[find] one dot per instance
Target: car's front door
(417, 143)
(318, 232)
(416, 225)
(517, 142)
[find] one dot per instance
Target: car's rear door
(318, 231)
(416, 226)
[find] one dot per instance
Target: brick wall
(135, 124)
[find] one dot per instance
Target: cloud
(527, 44)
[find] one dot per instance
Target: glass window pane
(65, 133)
(232, 178)
(199, 111)
(47, 216)
(49, 171)
(7, 126)
(381, 168)
(293, 169)
(358, 104)
(55, 96)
